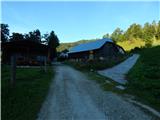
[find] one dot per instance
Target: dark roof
(24, 46)
(90, 46)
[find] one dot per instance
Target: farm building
(99, 49)
(26, 52)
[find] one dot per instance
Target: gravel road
(73, 97)
(117, 73)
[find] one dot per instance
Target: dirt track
(73, 97)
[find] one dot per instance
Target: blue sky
(74, 21)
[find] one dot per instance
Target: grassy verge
(144, 77)
(24, 101)
(105, 83)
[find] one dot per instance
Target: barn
(100, 49)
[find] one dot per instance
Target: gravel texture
(73, 97)
(117, 73)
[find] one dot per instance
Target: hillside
(144, 77)
(127, 45)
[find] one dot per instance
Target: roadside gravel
(73, 97)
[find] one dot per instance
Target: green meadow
(144, 77)
(23, 101)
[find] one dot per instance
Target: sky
(73, 21)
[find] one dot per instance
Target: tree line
(147, 33)
(51, 40)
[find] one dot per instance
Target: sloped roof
(89, 46)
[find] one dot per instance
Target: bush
(136, 50)
(96, 64)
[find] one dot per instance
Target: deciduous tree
(16, 37)
(117, 35)
(33, 36)
(4, 33)
(158, 31)
(133, 32)
(53, 42)
(106, 35)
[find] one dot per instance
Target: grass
(105, 83)
(23, 102)
(127, 45)
(144, 77)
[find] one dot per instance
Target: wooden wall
(106, 51)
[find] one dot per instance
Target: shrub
(96, 64)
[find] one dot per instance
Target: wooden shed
(26, 51)
(99, 49)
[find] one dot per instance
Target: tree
(4, 33)
(45, 38)
(148, 34)
(106, 35)
(154, 27)
(33, 36)
(53, 42)
(26, 37)
(158, 31)
(117, 35)
(134, 32)
(16, 37)
(37, 34)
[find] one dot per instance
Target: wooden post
(13, 70)
(45, 64)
